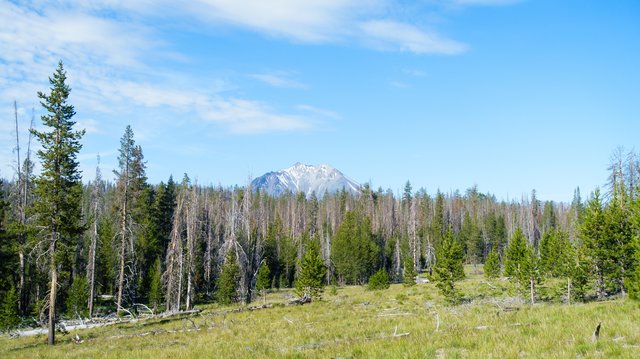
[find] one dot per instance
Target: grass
(352, 322)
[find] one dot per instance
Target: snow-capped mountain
(306, 179)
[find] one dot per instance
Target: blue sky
(507, 95)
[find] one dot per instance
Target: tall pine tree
(58, 189)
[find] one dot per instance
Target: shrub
(492, 265)
(9, 311)
(379, 280)
(409, 273)
(78, 298)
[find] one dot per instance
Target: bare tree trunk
(192, 209)
(180, 276)
(91, 268)
(188, 290)
(21, 188)
(532, 288)
(121, 271)
(209, 242)
(123, 236)
(52, 294)
(91, 271)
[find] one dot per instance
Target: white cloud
(306, 21)
(89, 125)
(318, 21)
(239, 116)
(318, 111)
(248, 117)
(278, 79)
(392, 35)
(105, 61)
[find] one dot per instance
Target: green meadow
(352, 322)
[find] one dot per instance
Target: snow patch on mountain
(306, 179)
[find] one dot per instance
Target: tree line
(98, 247)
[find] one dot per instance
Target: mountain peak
(305, 178)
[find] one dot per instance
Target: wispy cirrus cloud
(109, 47)
(107, 59)
(397, 36)
(278, 79)
(249, 117)
(309, 21)
(359, 22)
(318, 111)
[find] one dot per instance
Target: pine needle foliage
(312, 272)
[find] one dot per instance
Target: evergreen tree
(617, 245)
(58, 188)
(7, 253)
(409, 273)
(549, 220)
(557, 257)
(607, 235)
(496, 231)
(449, 268)
(529, 275)
(470, 238)
(406, 196)
(354, 253)
(78, 297)
(310, 280)
(155, 285)
(229, 280)
(165, 205)
(515, 255)
(580, 274)
(9, 318)
(272, 250)
(379, 280)
(592, 233)
(264, 281)
(438, 228)
(632, 282)
(492, 265)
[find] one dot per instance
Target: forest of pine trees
(106, 247)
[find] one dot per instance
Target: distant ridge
(307, 179)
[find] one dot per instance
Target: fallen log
(179, 313)
(304, 300)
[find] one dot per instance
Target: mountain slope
(306, 179)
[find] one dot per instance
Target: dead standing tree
(172, 277)
(192, 209)
(181, 254)
(96, 200)
(124, 199)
